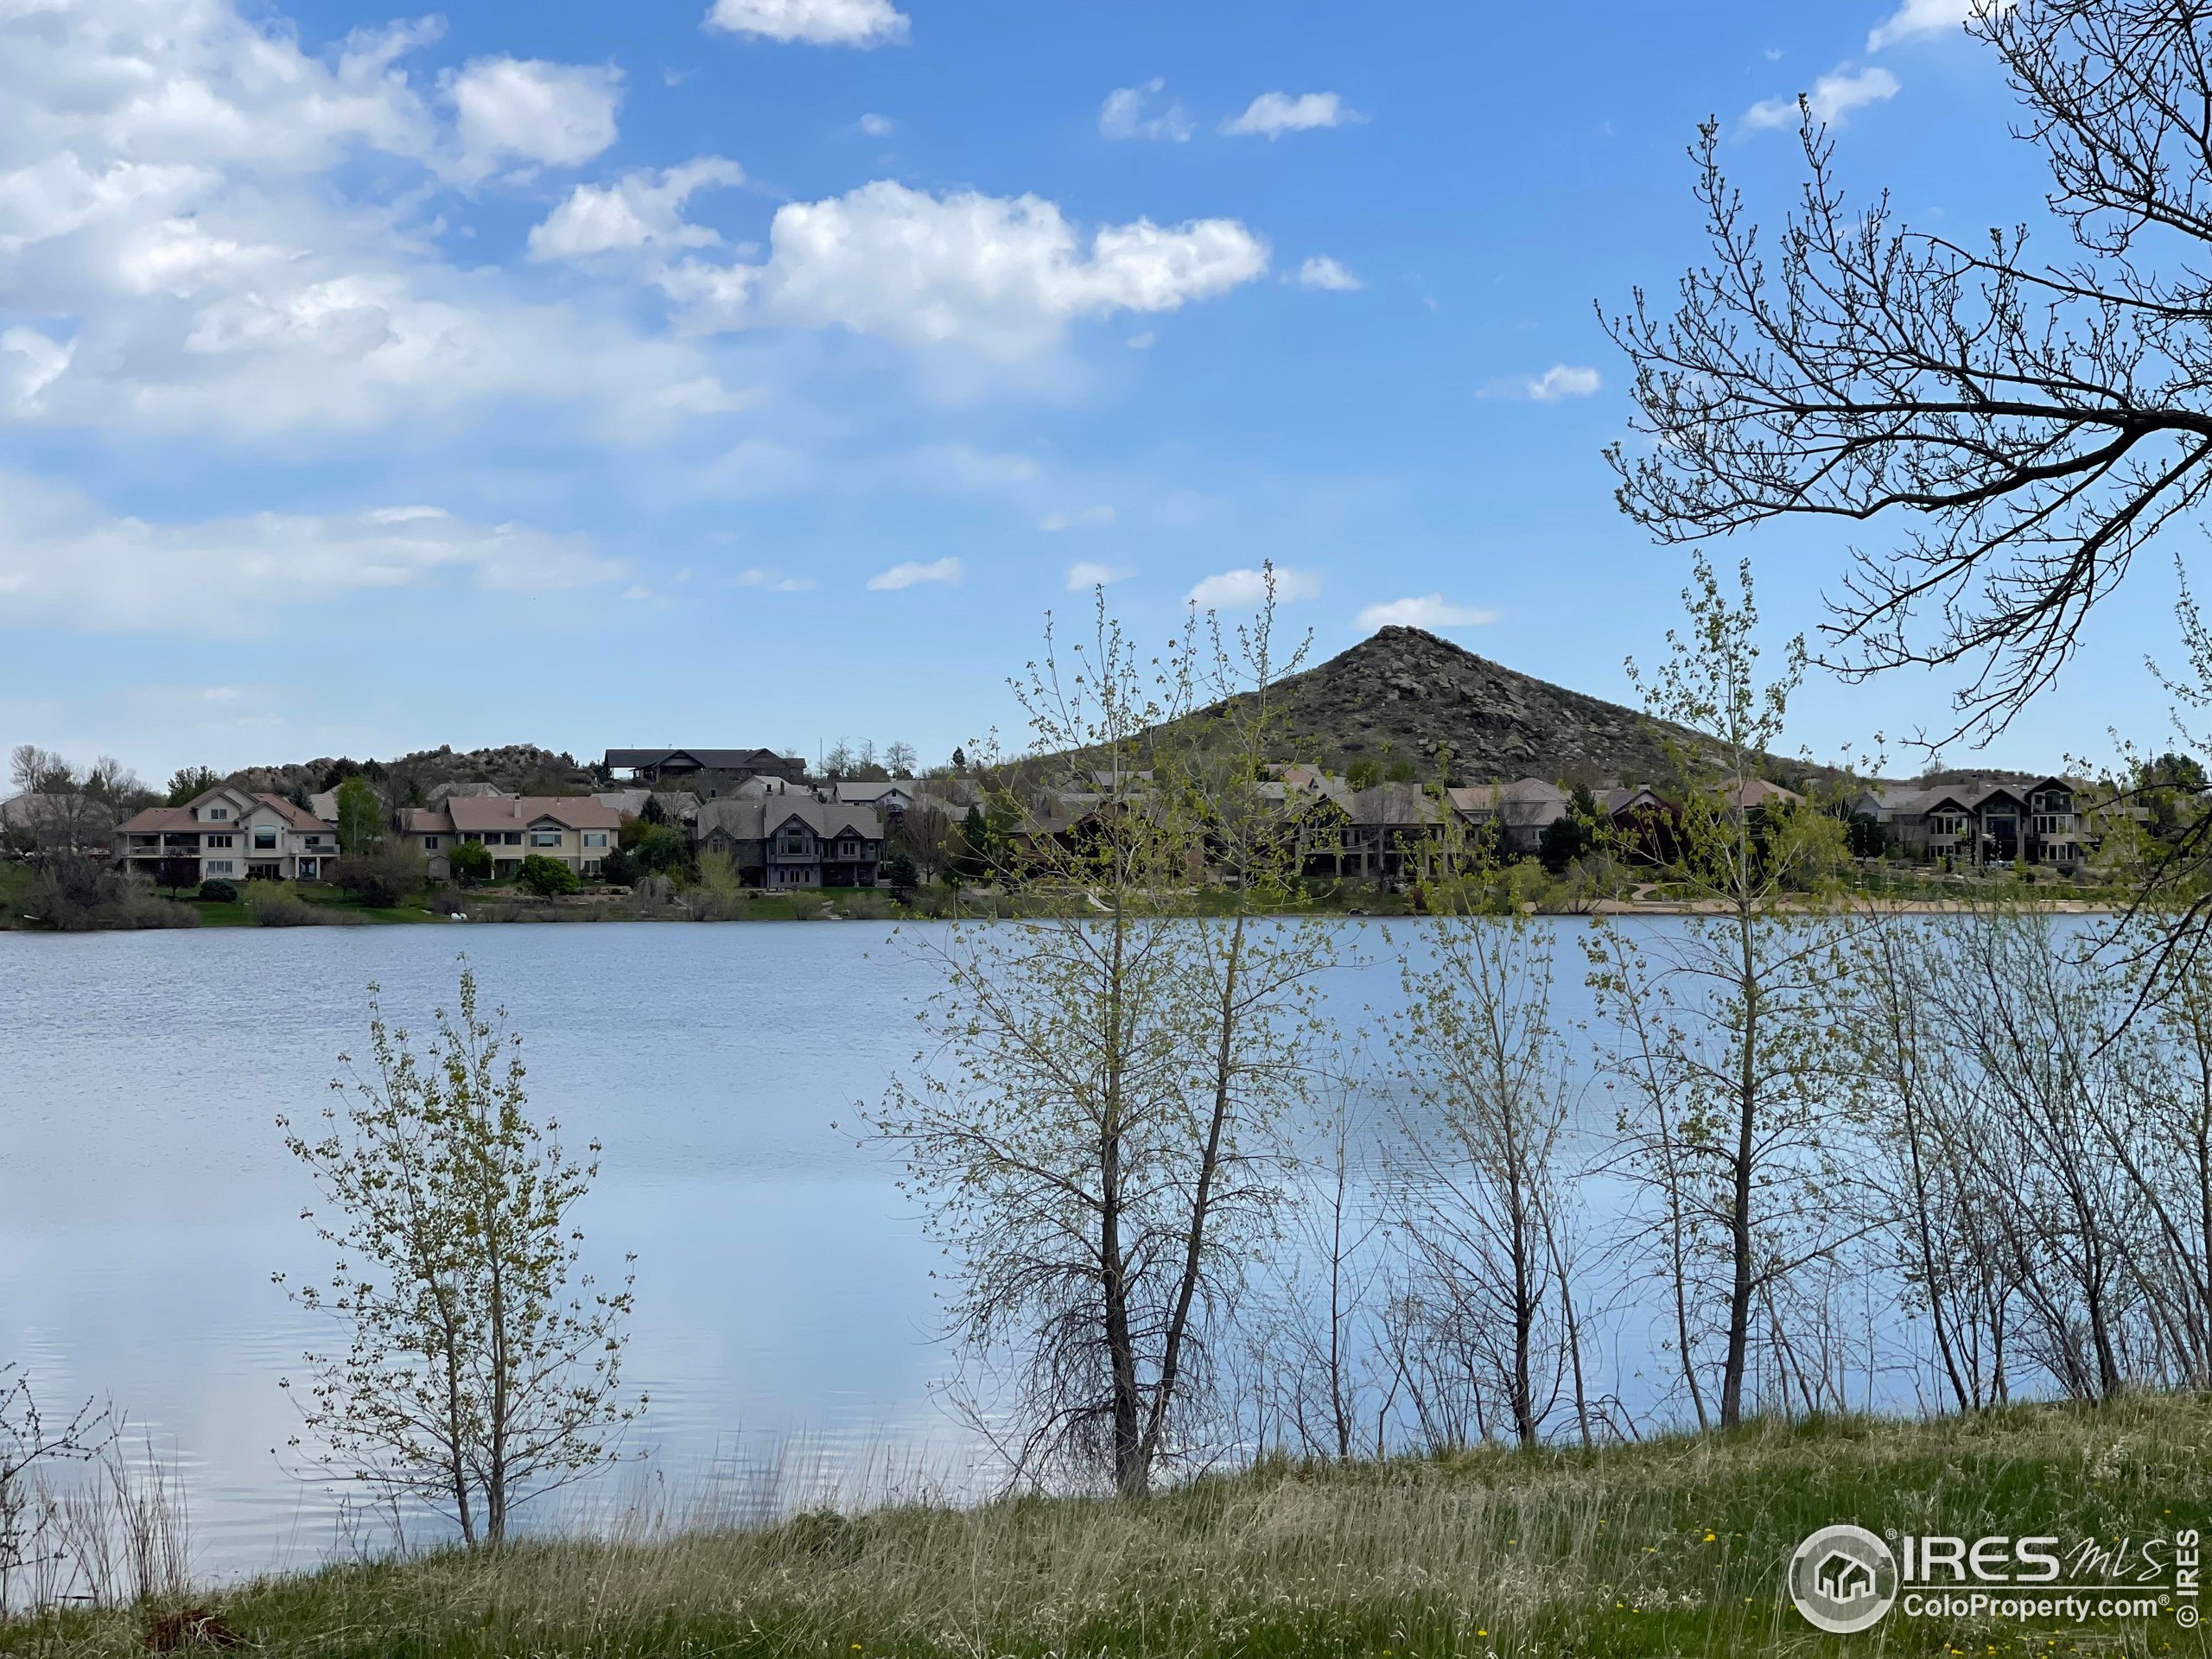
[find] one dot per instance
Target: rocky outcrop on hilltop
(1403, 694)
(430, 775)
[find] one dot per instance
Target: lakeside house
(794, 839)
(228, 834)
(576, 831)
(706, 772)
(2045, 822)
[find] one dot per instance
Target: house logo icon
(1843, 1578)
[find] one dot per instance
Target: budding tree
(481, 1368)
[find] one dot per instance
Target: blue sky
(593, 375)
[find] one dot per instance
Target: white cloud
(1003, 276)
(1127, 113)
(1249, 588)
(30, 363)
(1083, 577)
(769, 581)
(1834, 95)
(1143, 341)
(639, 210)
(1559, 381)
(1916, 19)
(910, 572)
(812, 22)
(526, 110)
(1322, 272)
(1088, 519)
(1430, 611)
(1272, 114)
(64, 559)
(875, 126)
(181, 212)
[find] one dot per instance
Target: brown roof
(425, 820)
(298, 817)
(153, 818)
(475, 814)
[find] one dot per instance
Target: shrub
(380, 880)
(618, 868)
(219, 892)
(547, 876)
(276, 908)
(662, 848)
(899, 874)
(470, 860)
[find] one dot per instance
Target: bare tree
(481, 1369)
(1483, 1201)
(1718, 1050)
(2040, 422)
(1920, 1110)
(28, 1440)
(1101, 1145)
(1323, 1378)
(2033, 1028)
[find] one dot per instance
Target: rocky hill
(1405, 694)
(429, 774)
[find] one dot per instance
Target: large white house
(230, 834)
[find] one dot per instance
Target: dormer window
(217, 813)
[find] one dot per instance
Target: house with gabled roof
(794, 841)
(576, 831)
(711, 772)
(229, 834)
(2042, 822)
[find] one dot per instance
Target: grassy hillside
(1672, 1547)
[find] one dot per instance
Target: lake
(783, 1284)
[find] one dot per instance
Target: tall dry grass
(1672, 1547)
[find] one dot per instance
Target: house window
(2051, 823)
(595, 838)
(1946, 823)
(511, 838)
(794, 841)
(218, 841)
(430, 843)
(849, 849)
(473, 835)
(218, 867)
(217, 813)
(545, 837)
(263, 838)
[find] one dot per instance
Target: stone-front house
(230, 834)
(1522, 811)
(794, 841)
(571, 830)
(2045, 822)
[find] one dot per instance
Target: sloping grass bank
(1670, 1547)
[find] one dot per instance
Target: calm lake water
(783, 1284)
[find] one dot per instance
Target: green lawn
(1673, 1546)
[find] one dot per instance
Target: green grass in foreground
(1669, 1547)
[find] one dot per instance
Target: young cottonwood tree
(481, 1368)
(1719, 1052)
(1483, 1203)
(1098, 1132)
